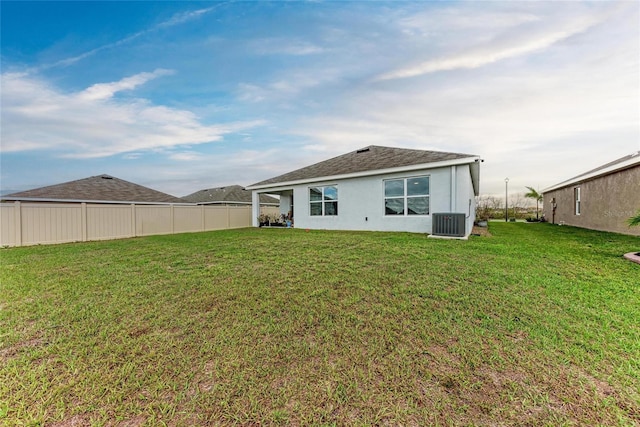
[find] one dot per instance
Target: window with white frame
(323, 201)
(576, 198)
(406, 196)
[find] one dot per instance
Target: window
(406, 196)
(323, 201)
(576, 198)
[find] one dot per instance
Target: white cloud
(285, 46)
(185, 156)
(91, 123)
(182, 17)
(288, 86)
(429, 22)
(502, 47)
(177, 19)
(107, 90)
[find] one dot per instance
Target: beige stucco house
(600, 199)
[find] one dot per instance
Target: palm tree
(533, 194)
(635, 220)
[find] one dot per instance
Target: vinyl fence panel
(106, 222)
(154, 219)
(25, 223)
(50, 223)
(8, 224)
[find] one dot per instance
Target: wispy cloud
(285, 46)
(92, 124)
(504, 46)
(183, 17)
(177, 19)
(107, 90)
(185, 156)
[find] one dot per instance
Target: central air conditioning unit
(449, 224)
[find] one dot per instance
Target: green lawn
(534, 325)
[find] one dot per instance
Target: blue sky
(181, 96)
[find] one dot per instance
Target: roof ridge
(366, 159)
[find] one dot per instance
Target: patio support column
(255, 208)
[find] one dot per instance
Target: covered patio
(285, 208)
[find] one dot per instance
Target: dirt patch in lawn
(481, 231)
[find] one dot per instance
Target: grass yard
(535, 325)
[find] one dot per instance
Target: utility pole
(506, 199)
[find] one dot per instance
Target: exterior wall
(361, 202)
(607, 202)
(464, 196)
(285, 203)
(24, 223)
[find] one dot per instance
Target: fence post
(134, 232)
(83, 220)
(17, 211)
(228, 217)
(203, 224)
(172, 217)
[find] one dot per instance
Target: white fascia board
(434, 165)
(623, 165)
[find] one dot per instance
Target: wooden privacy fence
(23, 223)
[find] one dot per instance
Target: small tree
(533, 194)
(635, 220)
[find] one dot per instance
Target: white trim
(635, 160)
(434, 165)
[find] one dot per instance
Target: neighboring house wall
(606, 202)
(361, 201)
(23, 224)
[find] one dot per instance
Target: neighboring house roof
(103, 188)
(228, 194)
(622, 163)
(370, 160)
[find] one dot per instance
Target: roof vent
(106, 177)
(362, 150)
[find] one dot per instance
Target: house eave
(421, 166)
(634, 161)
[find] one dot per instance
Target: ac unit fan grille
(449, 224)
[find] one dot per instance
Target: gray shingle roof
(228, 194)
(96, 188)
(365, 159)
